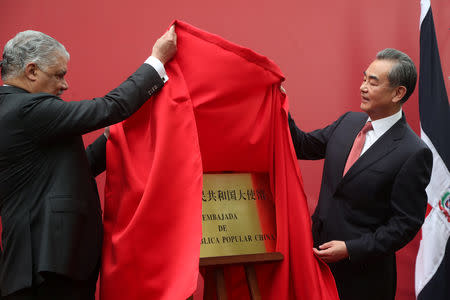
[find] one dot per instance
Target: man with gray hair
(49, 204)
(372, 200)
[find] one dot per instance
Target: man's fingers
(172, 29)
(326, 245)
(166, 46)
(318, 253)
(171, 34)
(331, 251)
(321, 253)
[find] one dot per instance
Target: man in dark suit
(372, 200)
(49, 204)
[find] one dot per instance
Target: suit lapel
(385, 144)
(347, 140)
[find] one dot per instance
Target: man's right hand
(166, 46)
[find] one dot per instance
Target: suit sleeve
(408, 204)
(311, 145)
(46, 116)
(96, 155)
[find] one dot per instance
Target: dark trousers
(58, 287)
(370, 280)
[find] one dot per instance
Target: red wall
(321, 48)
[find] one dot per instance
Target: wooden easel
(214, 277)
(260, 221)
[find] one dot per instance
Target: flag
(221, 110)
(433, 259)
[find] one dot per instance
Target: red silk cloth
(221, 110)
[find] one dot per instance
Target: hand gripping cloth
(221, 110)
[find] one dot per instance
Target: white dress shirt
(158, 66)
(380, 126)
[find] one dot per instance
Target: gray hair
(30, 46)
(403, 73)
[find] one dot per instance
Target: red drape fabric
(220, 111)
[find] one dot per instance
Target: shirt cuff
(158, 66)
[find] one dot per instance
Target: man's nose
(363, 87)
(65, 85)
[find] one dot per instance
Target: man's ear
(31, 71)
(399, 93)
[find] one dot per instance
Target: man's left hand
(166, 46)
(332, 251)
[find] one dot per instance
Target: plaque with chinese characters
(238, 215)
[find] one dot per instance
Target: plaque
(238, 215)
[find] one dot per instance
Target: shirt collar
(380, 126)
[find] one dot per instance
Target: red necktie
(357, 147)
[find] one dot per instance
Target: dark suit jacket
(376, 208)
(49, 204)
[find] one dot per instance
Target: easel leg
(252, 282)
(214, 283)
(209, 287)
(220, 284)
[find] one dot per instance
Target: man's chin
(363, 106)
